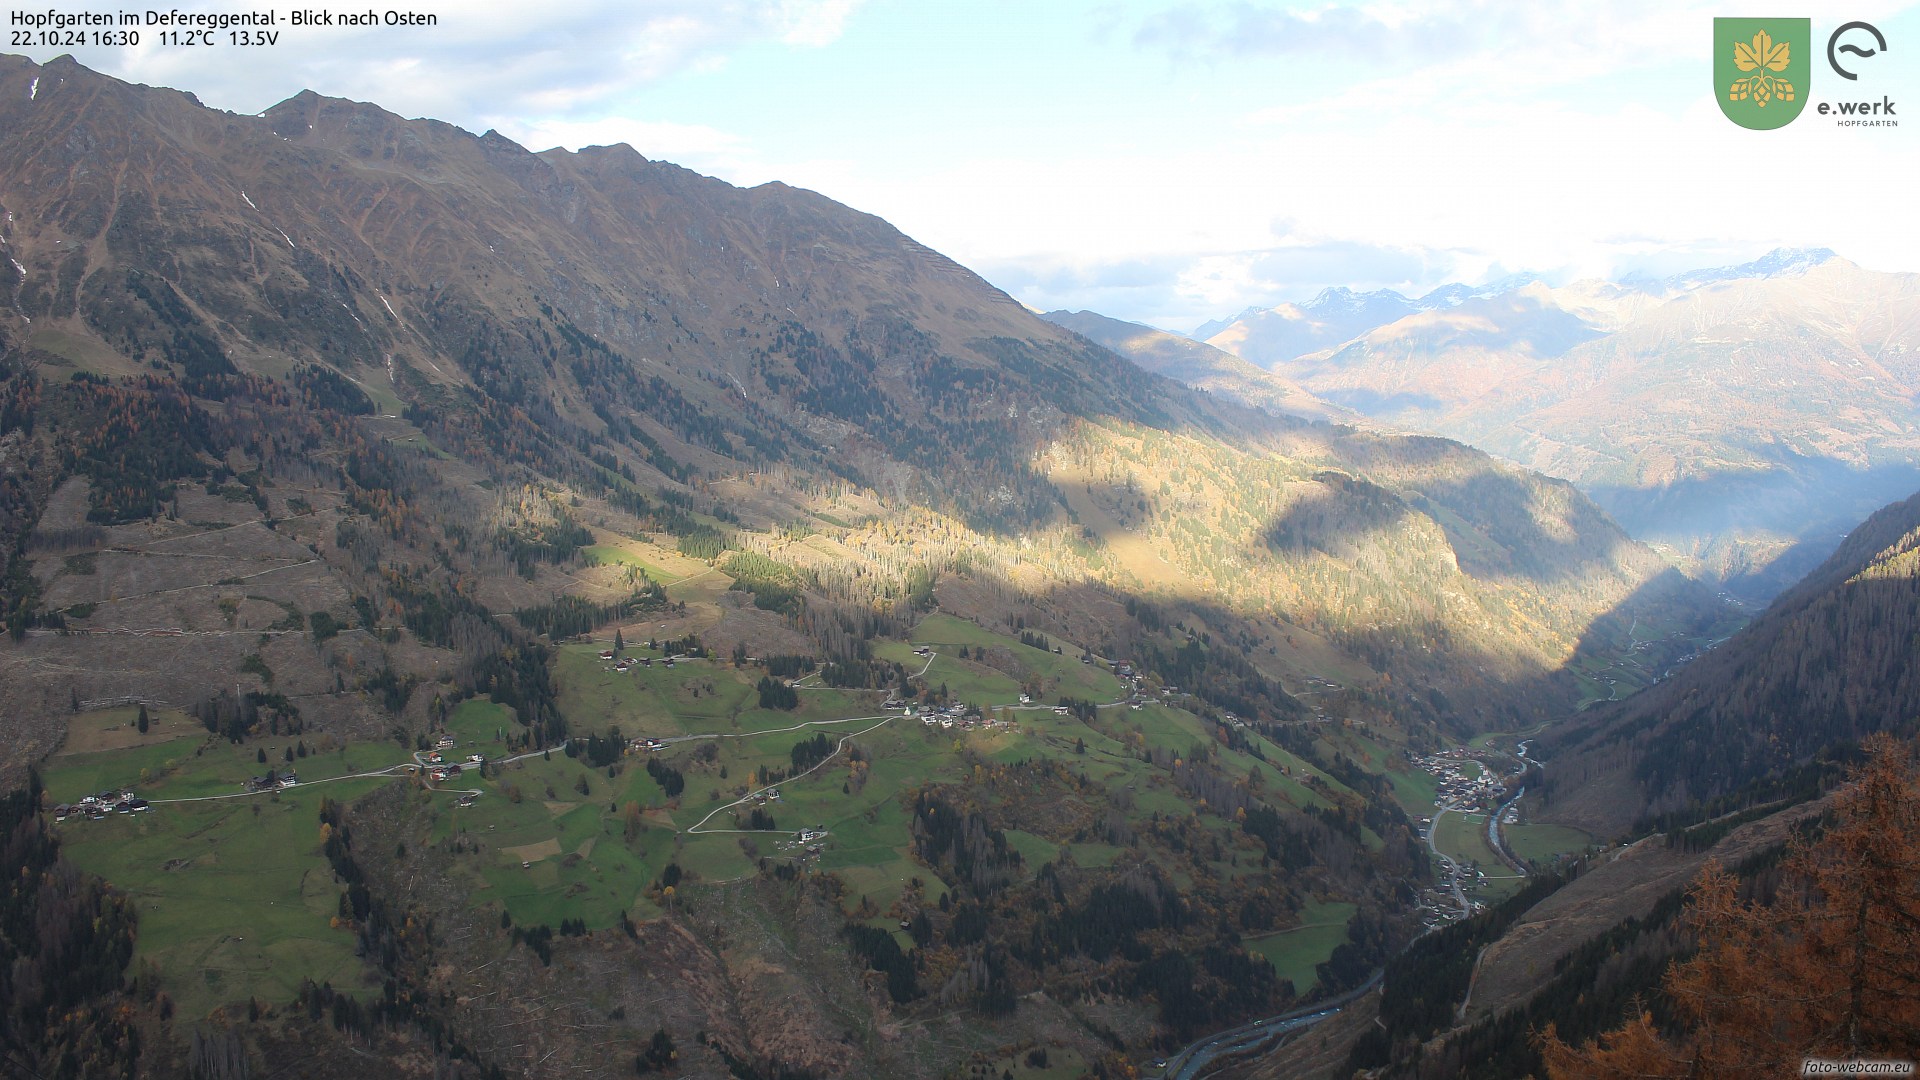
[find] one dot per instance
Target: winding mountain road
(1188, 1063)
(390, 770)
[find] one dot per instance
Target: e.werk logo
(1763, 72)
(1833, 56)
(1860, 43)
(1760, 70)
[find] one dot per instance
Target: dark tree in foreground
(1830, 970)
(658, 1056)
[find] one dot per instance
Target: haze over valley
(1741, 419)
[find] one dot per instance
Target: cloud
(814, 22)
(1049, 282)
(487, 59)
(1181, 290)
(1358, 62)
(1194, 31)
(1345, 262)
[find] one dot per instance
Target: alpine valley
(479, 613)
(1741, 418)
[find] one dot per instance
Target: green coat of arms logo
(1762, 70)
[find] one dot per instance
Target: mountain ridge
(478, 321)
(1198, 365)
(1738, 418)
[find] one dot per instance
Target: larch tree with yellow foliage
(1830, 970)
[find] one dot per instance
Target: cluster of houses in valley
(440, 770)
(1139, 692)
(806, 844)
(1458, 788)
(270, 781)
(964, 717)
(95, 807)
(1437, 906)
(628, 663)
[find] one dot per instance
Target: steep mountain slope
(1830, 662)
(329, 435)
(1740, 418)
(636, 332)
(1198, 365)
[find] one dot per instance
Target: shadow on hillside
(1416, 668)
(1503, 525)
(1826, 665)
(1735, 521)
(1339, 517)
(1797, 496)
(1811, 675)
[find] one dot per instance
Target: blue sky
(1163, 160)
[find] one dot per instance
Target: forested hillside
(1767, 792)
(1830, 663)
(466, 357)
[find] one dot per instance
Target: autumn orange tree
(1830, 969)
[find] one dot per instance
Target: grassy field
(554, 851)
(1504, 740)
(1034, 849)
(234, 895)
(1535, 842)
(1059, 674)
(198, 765)
(868, 839)
(480, 722)
(70, 776)
(1415, 790)
(1296, 952)
(1501, 883)
(1464, 837)
(692, 697)
(610, 555)
(236, 898)
(965, 680)
(117, 729)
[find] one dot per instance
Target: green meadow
(1464, 837)
(1540, 842)
(1296, 952)
(236, 898)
